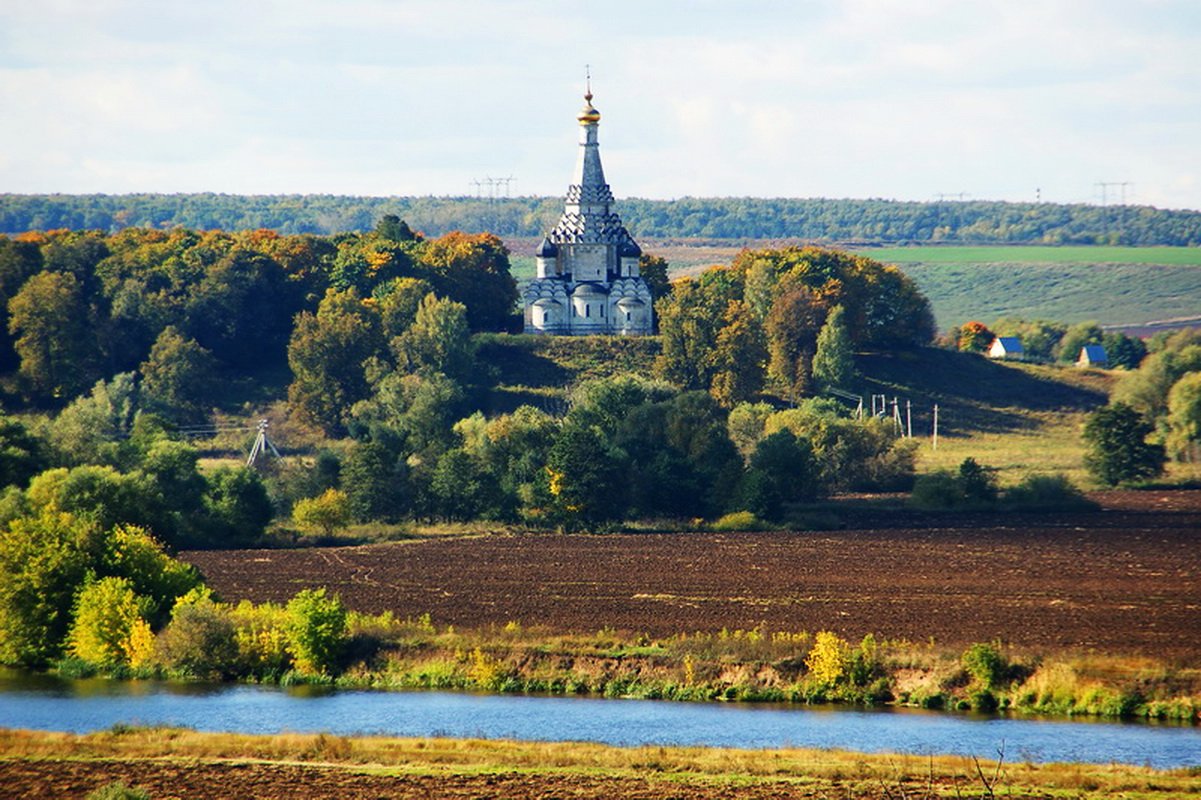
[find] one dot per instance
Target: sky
(905, 99)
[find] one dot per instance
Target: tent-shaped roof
(1093, 354)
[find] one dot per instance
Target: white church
(588, 280)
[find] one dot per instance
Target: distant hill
(968, 222)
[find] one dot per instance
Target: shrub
(738, 521)
(109, 628)
(985, 664)
(975, 483)
(828, 659)
(199, 642)
(1047, 493)
(117, 790)
(315, 630)
(259, 633)
(328, 511)
(935, 491)
(971, 487)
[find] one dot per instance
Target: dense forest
(971, 222)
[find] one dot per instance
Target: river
(48, 703)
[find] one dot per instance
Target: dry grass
(818, 770)
(1051, 444)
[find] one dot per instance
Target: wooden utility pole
(936, 426)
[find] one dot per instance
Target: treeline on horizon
(872, 220)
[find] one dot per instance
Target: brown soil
(1126, 579)
(200, 780)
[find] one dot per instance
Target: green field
(1112, 285)
(1151, 256)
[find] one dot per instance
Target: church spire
(588, 115)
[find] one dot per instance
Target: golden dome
(588, 115)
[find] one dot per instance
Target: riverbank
(182, 763)
(761, 665)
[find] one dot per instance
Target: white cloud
(899, 98)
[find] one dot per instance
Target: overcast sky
(902, 99)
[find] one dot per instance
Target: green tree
(740, 357)
(833, 361)
(1122, 350)
(316, 631)
(1076, 337)
(104, 495)
(398, 302)
(329, 511)
(463, 489)
(90, 429)
(976, 483)
(22, 455)
(781, 471)
(327, 353)
(415, 410)
(19, 260)
(1118, 450)
(241, 309)
(43, 560)
(439, 340)
(586, 477)
(653, 270)
(1184, 417)
(373, 482)
(394, 229)
(238, 508)
(55, 340)
(177, 377)
(1146, 388)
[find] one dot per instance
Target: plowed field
(44, 779)
(1126, 579)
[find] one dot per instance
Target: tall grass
(817, 773)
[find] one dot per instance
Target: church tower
(588, 279)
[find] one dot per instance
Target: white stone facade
(588, 280)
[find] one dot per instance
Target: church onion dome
(547, 249)
(630, 249)
(588, 115)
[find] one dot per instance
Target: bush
(259, 632)
(971, 488)
(315, 630)
(110, 629)
(328, 511)
(1047, 493)
(738, 521)
(117, 790)
(199, 642)
(935, 491)
(985, 664)
(828, 659)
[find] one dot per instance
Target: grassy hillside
(1021, 418)
(1114, 285)
(1117, 286)
(540, 370)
